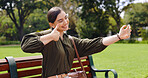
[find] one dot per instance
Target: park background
(88, 19)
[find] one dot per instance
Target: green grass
(14, 51)
(129, 60)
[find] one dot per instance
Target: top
(58, 55)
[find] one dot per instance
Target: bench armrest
(106, 71)
(12, 67)
(93, 69)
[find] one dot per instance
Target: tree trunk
(118, 25)
(118, 21)
(21, 29)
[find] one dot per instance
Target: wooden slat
(25, 64)
(20, 59)
(85, 57)
(78, 65)
(3, 61)
(29, 72)
(4, 67)
(29, 64)
(5, 75)
(36, 77)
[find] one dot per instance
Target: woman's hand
(125, 32)
(55, 33)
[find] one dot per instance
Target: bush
(2, 38)
(133, 41)
(9, 42)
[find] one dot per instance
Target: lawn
(14, 51)
(129, 60)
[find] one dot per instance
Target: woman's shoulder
(40, 33)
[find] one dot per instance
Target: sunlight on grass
(129, 60)
(14, 51)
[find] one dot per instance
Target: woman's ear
(52, 25)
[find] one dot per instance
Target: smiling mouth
(65, 26)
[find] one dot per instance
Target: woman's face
(63, 22)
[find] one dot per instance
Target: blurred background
(88, 19)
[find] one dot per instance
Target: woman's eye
(60, 21)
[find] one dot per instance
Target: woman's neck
(61, 35)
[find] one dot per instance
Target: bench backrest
(32, 67)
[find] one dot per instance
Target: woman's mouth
(65, 26)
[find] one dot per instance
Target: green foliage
(37, 21)
(112, 25)
(96, 20)
(101, 16)
(133, 41)
(23, 8)
(144, 34)
(2, 38)
(139, 30)
(136, 16)
(92, 29)
(115, 8)
(7, 28)
(84, 31)
(9, 42)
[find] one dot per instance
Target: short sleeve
(89, 46)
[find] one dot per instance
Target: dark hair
(53, 13)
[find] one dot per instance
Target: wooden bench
(30, 67)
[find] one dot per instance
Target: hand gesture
(125, 32)
(55, 33)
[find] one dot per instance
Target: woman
(56, 47)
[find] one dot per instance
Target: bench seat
(31, 67)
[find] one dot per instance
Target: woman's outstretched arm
(124, 33)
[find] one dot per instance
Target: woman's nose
(65, 21)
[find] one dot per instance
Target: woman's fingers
(127, 27)
(125, 31)
(130, 28)
(123, 27)
(57, 26)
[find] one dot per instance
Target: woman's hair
(53, 13)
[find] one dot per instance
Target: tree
(37, 21)
(7, 28)
(1, 16)
(23, 9)
(115, 8)
(137, 16)
(96, 20)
